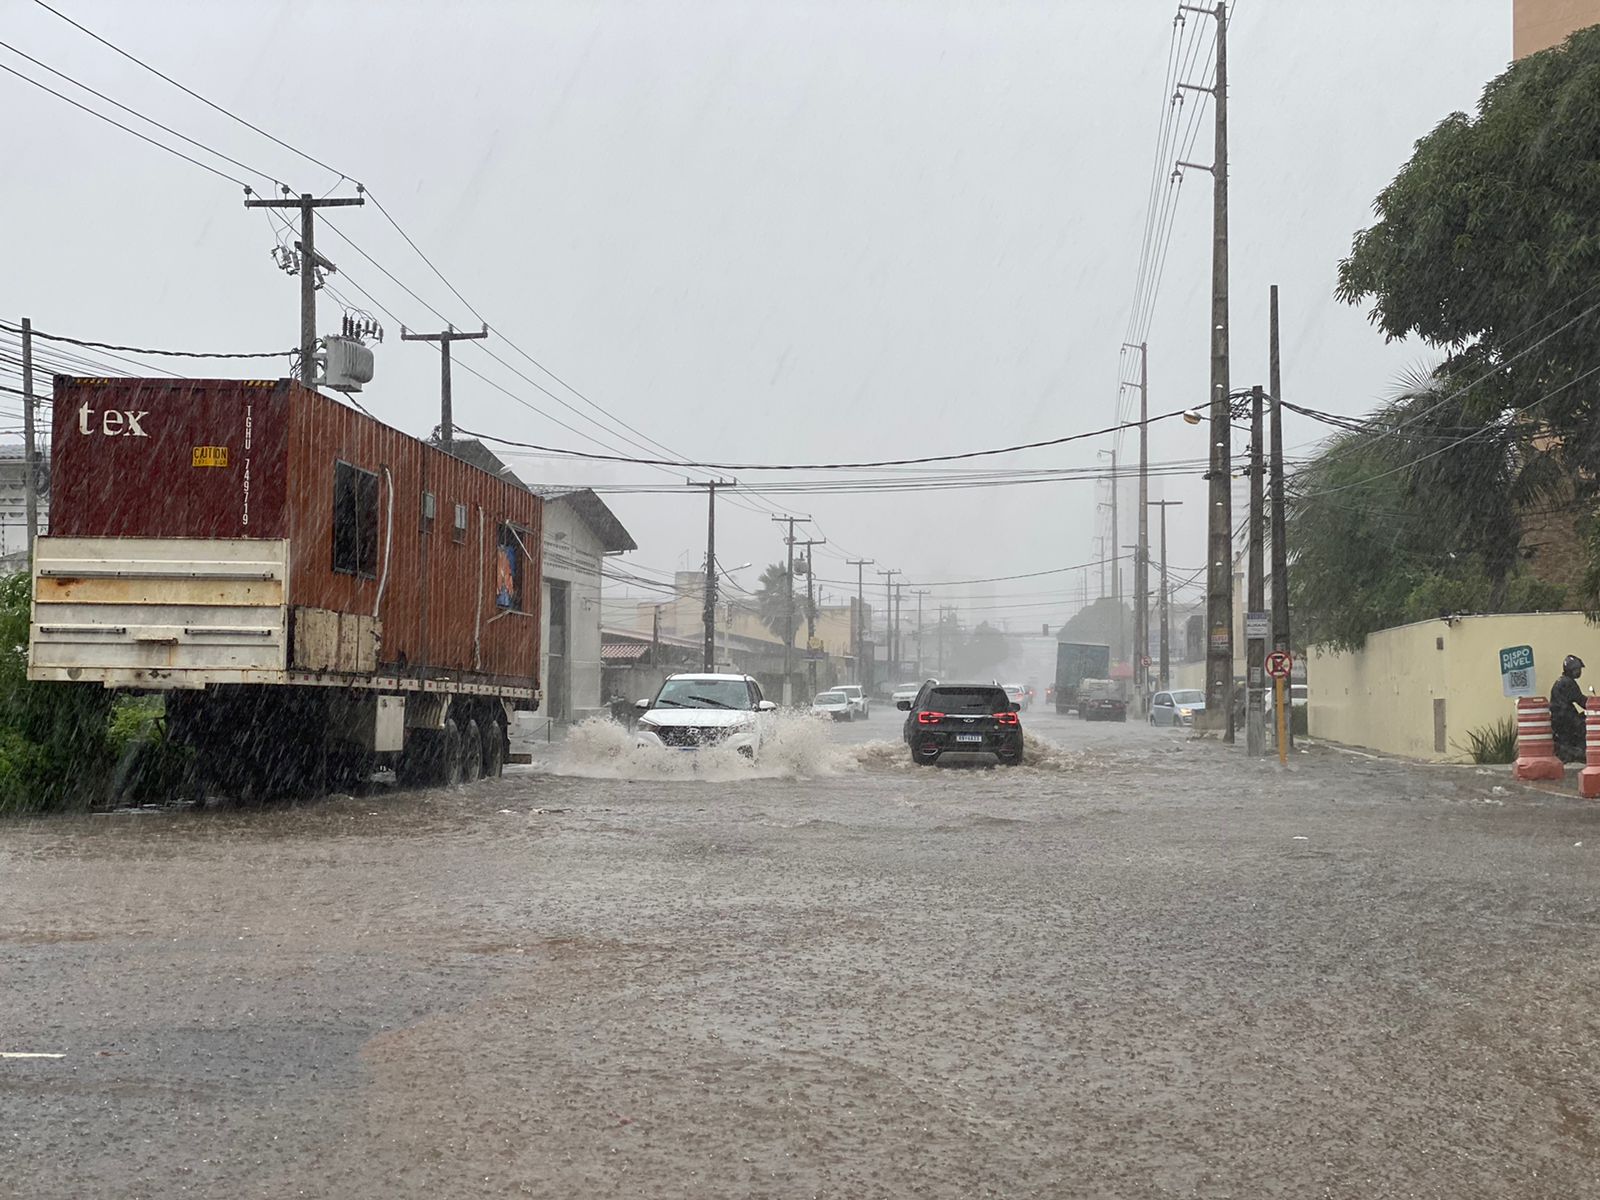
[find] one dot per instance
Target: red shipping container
(443, 556)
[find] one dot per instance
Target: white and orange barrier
(1589, 777)
(1536, 745)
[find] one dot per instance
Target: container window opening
(459, 533)
(510, 557)
(355, 521)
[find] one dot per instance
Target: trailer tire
(494, 749)
(472, 752)
(448, 763)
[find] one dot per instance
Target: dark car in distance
(962, 718)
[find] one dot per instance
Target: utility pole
(863, 670)
(311, 264)
(1164, 679)
(919, 593)
(888, 624)
(788, 609)
(30, 455)
(1280, 544)
(1141, 554)
(1116, 565)
(711, 486)
(811, 613)
(1255, 648)
(447, 425)
(899, 607)
(1219, 514)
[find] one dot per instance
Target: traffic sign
(1279, 664)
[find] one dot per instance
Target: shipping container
(265, 553)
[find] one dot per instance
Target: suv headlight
(645, 725)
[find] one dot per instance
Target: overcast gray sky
(754, 231)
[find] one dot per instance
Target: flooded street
(1136, 966)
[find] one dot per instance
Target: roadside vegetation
(70, 745)
(1486, 248)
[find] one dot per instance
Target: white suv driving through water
(699, 712)
(856, 694)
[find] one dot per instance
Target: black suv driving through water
(963, 718)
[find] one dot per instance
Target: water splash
(795, 746)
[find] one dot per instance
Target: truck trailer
(1075, 662)
(316, 594)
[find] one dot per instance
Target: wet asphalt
(1137, 966)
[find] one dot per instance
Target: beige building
(1539, 24)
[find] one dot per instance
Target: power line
(57, 337)
(126, 129)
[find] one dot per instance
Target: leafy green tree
(1487, 245)
(979, 653)
(1103, 622)
(1416, 513)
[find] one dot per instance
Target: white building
(580, 532)
(13, 506)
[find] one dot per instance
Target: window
(355, 521)
(459, 533)
(510, 562)
(430, 509)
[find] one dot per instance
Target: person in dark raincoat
(1566, 711)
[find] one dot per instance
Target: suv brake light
(929, 718)
(1007, 718)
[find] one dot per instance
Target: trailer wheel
(448, 765)
(472, 752)
(494, 749)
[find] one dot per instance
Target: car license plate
(969, 737)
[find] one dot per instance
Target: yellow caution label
(209, 456)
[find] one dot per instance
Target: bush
(1496, 743)
(54, 750)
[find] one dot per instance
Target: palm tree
(776, 611)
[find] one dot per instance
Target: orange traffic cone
(1536, 745)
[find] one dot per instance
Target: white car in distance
(857, 695)
(833, 705)
(703, 712)
(909, 691)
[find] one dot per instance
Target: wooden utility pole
(447, 424)
(310, 263)
(1164, 679)
(788, 611)
(811, 611)
(1219, 513)
(709, 655)
(863, 669)
(1255, 648)
(30, 452)
(1280, 544)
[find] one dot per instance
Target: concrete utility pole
(788, 609)
(1164, 679)
(888, 626)
(447, 425)
(1280, 544)
(710, 654)
(30, 454)
(1141, 554)
(1219, 514)
(919, 593)
(899, 606)
(811, 613)
(310, 262)
(863, 668)
(1255, 648)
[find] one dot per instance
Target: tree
(977, 654)
(1102, 622)
(772, 592)
(1415, 512)
(1487, 245)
